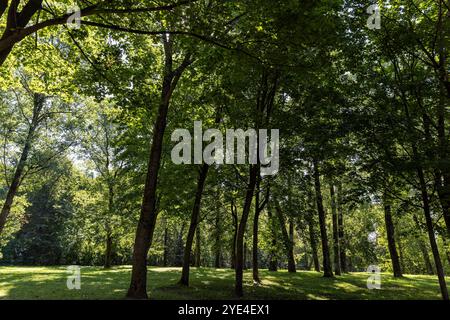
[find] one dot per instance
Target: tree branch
(3, 6)
(141, 10)
(30, 8)
(9, 40)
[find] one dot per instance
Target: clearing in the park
(215, 284)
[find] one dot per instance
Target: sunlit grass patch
(217, 284)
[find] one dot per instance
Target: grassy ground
(96, 283)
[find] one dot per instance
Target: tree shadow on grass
(215, 284)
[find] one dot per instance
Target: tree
(146, 225)
(195, 218)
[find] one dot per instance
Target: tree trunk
(11, 34)
(218, 244)
(256, 279)
(340, 209)
(313, 242)
(327, 271)
(253, 172)
(423, 248)
(179, 247)
(292, 237)
(197, 251)
(350, 264)
(255, 266)
(288, 245)
(147, 219)
(233, 240)
(195, 218)
(312, 231)
(446, 248)
(334, 215)
(166, 242)
(442, 108)
(245, 255)
(273, 261)
(424, 191)
(430, 229)
(38, 103)
(108, 251)
(441, 179)
(306, 258)
(218, 259)
(390, 232)
(426, 258)
(399, 244)
(4, 54)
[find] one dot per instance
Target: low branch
(142, 10)
(3, 6)
(160, 32)
(23, 32)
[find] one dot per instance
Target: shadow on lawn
(216, 284)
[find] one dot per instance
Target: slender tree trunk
(253, 172)
(291, 236)
(442, 108)
(306, 258)
(166, 242)
(255, 266)
(108, 251)
(423, 248)
(109, 239)
(256, 279)
(426, 257)
(350, 264)
(198, 246)
(273, 261)
(444, 198)
(218, 259)
(288, 245)
(441, 180)
(327, 270)
(446, 248)
(340, 209)
(147, 219)
(38, 103)
(179, 247)
(336, 254)
(218, 244)
(195, 218)
(424, 194)
(430, 229)
(390, 232)
(245, 264)
(312, 231)
(235, 229)
(313, 242)
(399, 244)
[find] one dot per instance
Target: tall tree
(391, 240)
(195, 218)
(147, 220)
(37, 117)
(288, 243)
(327, 269)
(334, 213)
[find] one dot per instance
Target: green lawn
(96, 283)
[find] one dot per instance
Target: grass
(216, 284)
